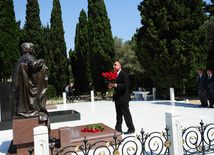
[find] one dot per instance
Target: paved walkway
(149, 115)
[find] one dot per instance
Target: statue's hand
(42, 61)
(37, 63)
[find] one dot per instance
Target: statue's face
(28, 48)
(32, 51)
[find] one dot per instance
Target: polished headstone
(6, 106)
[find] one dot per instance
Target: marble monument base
(23, 135)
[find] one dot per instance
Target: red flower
(110, 77)
(93, 129)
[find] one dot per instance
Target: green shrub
(51, 92)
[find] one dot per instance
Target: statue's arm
(37, 63)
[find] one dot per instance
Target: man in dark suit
(200, 87)
(210, 87)
(122, 98)
(71, 92)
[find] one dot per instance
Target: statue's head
(27, 48)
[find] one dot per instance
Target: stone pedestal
(153, 93)
(92, 96)
(23, 136)
(41, 142)
(23, 130)
(64, 98)
(175, 132)
(172, 94)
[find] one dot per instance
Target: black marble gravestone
(6, 105)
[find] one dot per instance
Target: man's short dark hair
(210, 68)
(119, 63)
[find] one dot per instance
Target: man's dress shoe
(129, 132)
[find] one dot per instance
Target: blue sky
(123, 14)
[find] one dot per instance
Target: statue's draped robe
(30, 84)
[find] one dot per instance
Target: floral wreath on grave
(93, 128)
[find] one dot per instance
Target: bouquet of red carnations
(93, 128)
(110, 77)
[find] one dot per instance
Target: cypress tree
(170, 43)
(47, 42)
(9, 52)
(59, 67)
(81, 73)
(101, 43)
(33, 28)
(209, 26)
(73, 58)
(20, 34)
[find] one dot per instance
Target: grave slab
(49, 106)
(76, 136)
(64, 116)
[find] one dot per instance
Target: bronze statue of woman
(30, 82)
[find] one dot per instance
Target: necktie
(198, 79)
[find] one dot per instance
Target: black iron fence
(198, 139)
(145, 144)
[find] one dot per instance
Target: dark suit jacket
(200, 84)
(71, 91)
(210, 84)
(122, 95)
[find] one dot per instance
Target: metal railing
(143, 144)
(198, 139)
